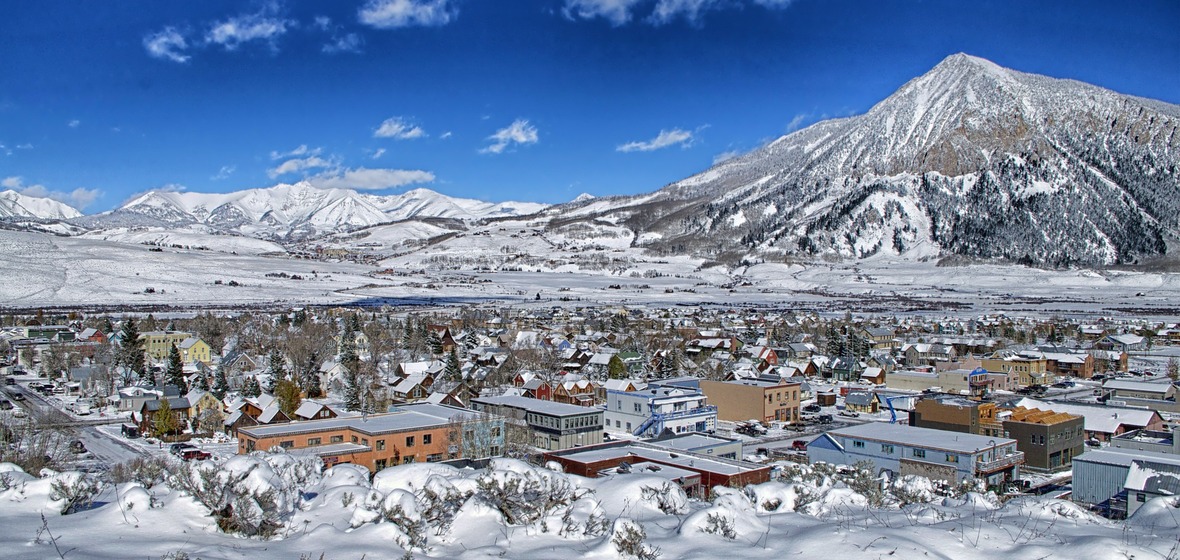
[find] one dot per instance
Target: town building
(936, 454)
(1119, 481)
(658, 408)
(553, 425)
(757, 399)
(1050, 440)
(409, 433)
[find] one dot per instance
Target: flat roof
(648, 452)
(550, 408)
(332, 449)
(688, 442)
(922, 437)
(408, 417)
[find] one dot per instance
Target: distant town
(703, 396)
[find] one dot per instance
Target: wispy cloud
(168, 44)
(265, 25)
(725, 156)
(797, 121)
(398, 128)
(392, 14)
(519, 132)
(350, 43)
(445, 135)
(299, 165)
(74, 123)
(224, 172)
(78, 198)
(365, 179)
(300, 151)
(620, 12)
(617, 12)
(665, 139)
(378, 153)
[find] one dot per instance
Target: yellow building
(765, 401)
(156, 344)
(193, 350)
(1032, 370)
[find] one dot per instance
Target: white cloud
(365, 179)
(519, 132)
(377, 154)
(299, 165)
(322, 23)
(620, 12)
(665, 139)
(224, 172)
(725, 156)
(74, 123)
(301, 151)
(392, 14)
(5, 149)
(350, 43)
(399, 129)
(78, 198)
(797, 121)
(262, 26)
(617, 12)
(25, 146)
(445, 135)
(168, 44)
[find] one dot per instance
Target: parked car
(799, 445)
(824, 418)
(811, 408)
(179, 448)
(849, 413)
(18, 396)
(194, 454)
(77, 446)
(5, 404)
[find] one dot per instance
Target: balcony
(699, 411)
(1001, 463)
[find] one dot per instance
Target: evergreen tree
(130, 353)
(203, 382)
(351, 363)
(107, 327)
(251, 388)
(287, 392)
(278, 370)
(309, 379)
(220, 384)
(454, 370)
(174, 374)
(164, 421)
(435, 342)
(616, 368)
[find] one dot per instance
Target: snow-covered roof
(922, 437)
(1101, 419)
(404, 417)
(549, 408)
(1141, 386)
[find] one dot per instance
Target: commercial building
(935, 454)
(1050, 440)
(1119, 481)
(658, 408)
(553, 425)
(758, 399)
(410, 433)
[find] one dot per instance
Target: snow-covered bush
(148, 471)
(670, 498)
(523, 494)
(73, 491)
(630, 540)
(247, 495)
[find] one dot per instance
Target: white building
(654, 409)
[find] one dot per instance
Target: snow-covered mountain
(969, 159)
(295, 211)
(17, 205)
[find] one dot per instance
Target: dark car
(77, 446)
(811, 408)
(178, 449)
(18, 396)
(824, 418)
(5, 404)
(194, 454)
(799, 445)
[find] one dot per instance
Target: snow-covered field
(510, 263)
(514, 510)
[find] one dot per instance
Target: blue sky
(536, 100)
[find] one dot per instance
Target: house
(1103, 478)
(410, 433)
(1032, 369)
(580, 392)
(147, 413)
(657, 408)
(874, 375)
(1050, 440)
(411, 388)
(202, 401)
(194, 350)
(935, 454)
(695, 473)
(1121, 342)
(92, 335)
(759, 399)
(537, 388)
(553, 425)
(861, 402)
(1110, 360)
(157, 344)
(1127, 389)
(132, 398)
(624, 385)
(312, 410)
(879, 338)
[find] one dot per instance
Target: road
(103, 449)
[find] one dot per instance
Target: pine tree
(164, 421)
(278, 370)
(174, 374)
(130, 353)
(309, 379)
(435, 342)
(616, 368)
(220, 384)
(287, 392)
(352, 375)
(203, 382)
(454, 370)
(251, 388)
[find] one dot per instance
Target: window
(409, 441)
(427, 439)
(354, 439)
(628, 426)
(407, 459)
(313, 441)
(920, 453)
(618, 423)
(858, 444)
(637, 409)
(1140, 497)
(380, 445)
(364, 441)
(287, 444)
(952, 458)
(886, 448)
(336, 439)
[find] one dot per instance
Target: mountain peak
(16, 205)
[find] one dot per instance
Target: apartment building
(759, 399)
(658, 408)
(553, 425)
